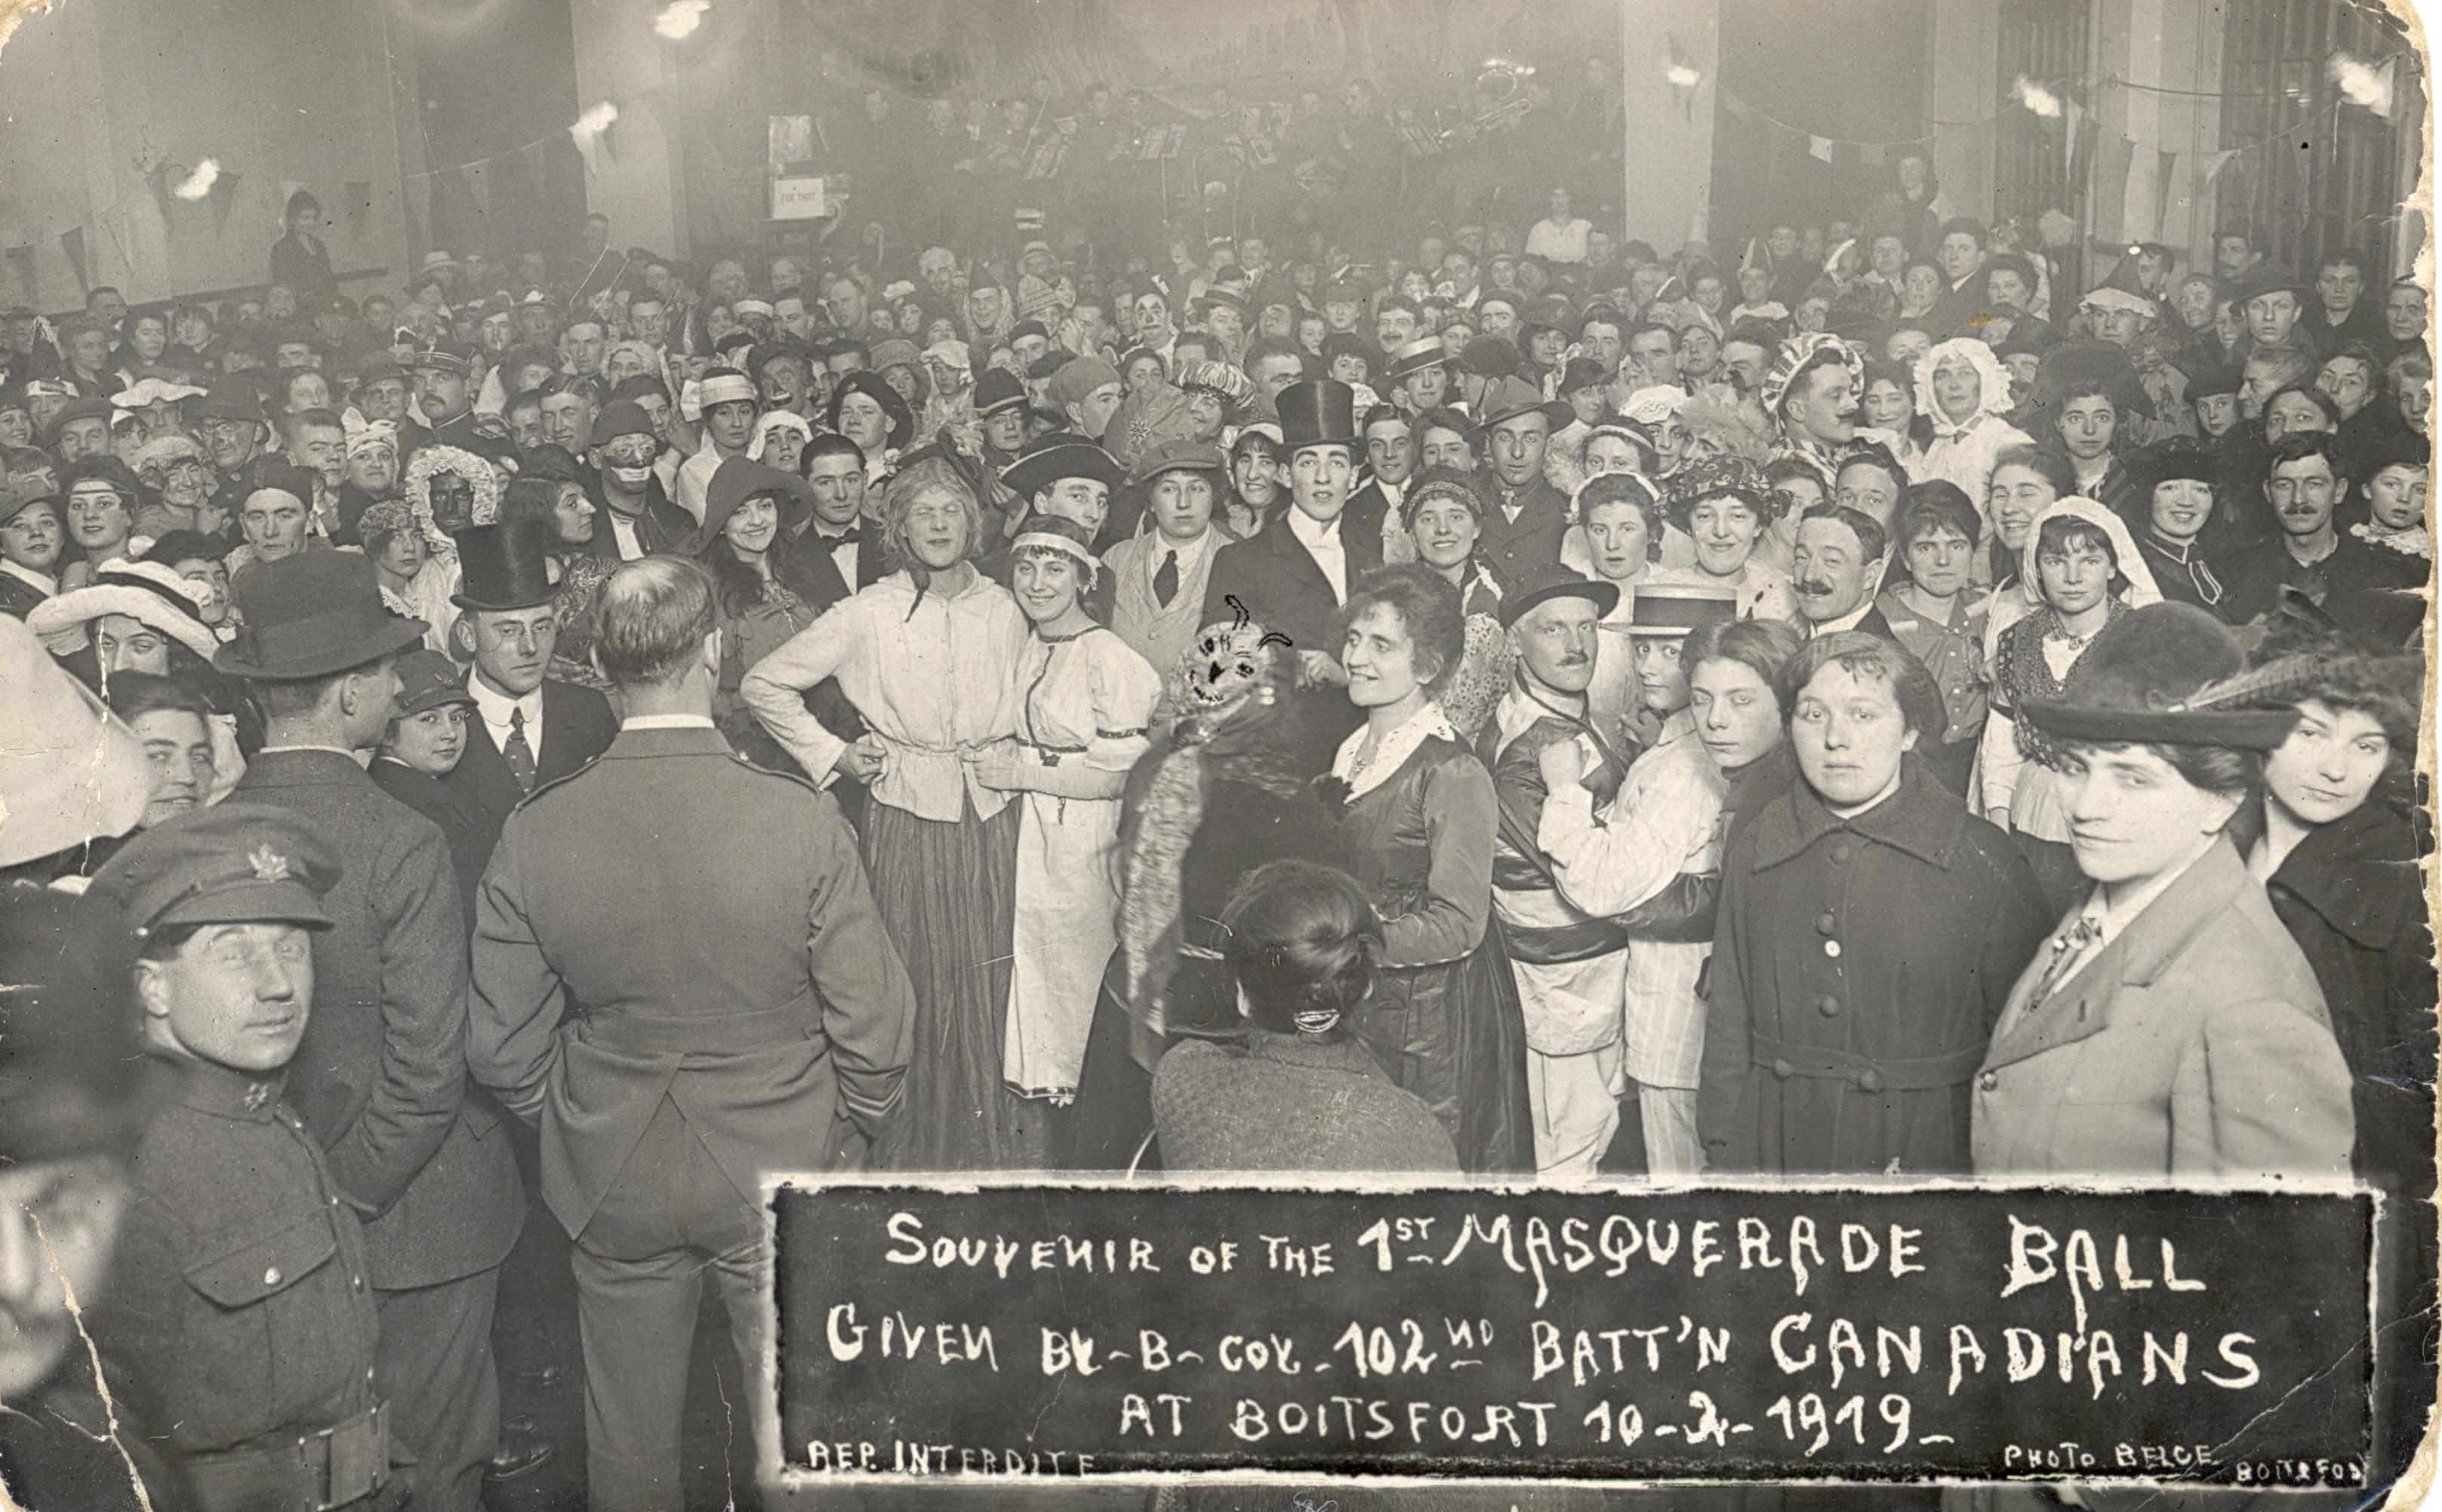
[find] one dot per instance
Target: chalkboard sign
(965, 1329)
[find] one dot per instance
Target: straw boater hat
(148, 592)
(1670, 610)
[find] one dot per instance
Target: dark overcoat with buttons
(239, 1313)
(1858, 968)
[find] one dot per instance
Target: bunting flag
(224, 198)
(2215, 164)
(2075, 115)
(1820, 148)
(2164, 160)
(72, 243)
(537, 157)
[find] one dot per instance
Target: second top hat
(1318, 412)
(504, 566)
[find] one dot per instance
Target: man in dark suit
(1293, 575)
(1522, 529)
(836, 550)
(729, 1018)
(380, 1078)
(638, 517)
(530, 730)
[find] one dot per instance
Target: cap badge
(270, 865)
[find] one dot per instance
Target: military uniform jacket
(381, 1075)
(1515, 549)
(713, 923)
(239, 1314)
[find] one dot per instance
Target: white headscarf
(1993, 399)
(777, 420)
(2129, 561)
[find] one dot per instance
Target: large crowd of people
(595, 732)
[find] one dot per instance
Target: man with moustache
(1811, 394)
(2360, 584)
(1834, 568)
(1649, 855)
(1569, 964)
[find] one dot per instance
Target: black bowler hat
(505, 565)
(1318, 412)
(310, 616)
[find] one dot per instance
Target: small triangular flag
(1819, 147)
(72, 243)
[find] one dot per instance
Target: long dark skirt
(947, 894)
(1455, 1036)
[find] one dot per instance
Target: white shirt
(667, 722)
(495, 706)
(623, 535)
(1558, 240)
(1322, 543)
(843, 556)
(1846, 622)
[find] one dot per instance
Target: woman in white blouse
(929, 656)
(1559, 237)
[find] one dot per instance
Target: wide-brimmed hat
(310, 616)
(1507, 398)
(507, 565)
(1556, 582)
(69, 772)
(435, 260)
(2161, 673)
(738, 479)
(1045, 460)
(1317, 413)
(150, 593)
(2266, 278)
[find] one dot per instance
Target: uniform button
(1869, 1081)
(357, 1282)
(1831, 948)
(1783, 1069)
(271, 1277)
(1989, 1080)
(1825, 922)
(1840, 855)
(1830, 1006)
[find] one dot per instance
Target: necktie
(519, 754)
(2068, 953)
(1165, 581)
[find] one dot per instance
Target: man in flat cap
(1158, 577)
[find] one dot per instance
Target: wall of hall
(110, 102)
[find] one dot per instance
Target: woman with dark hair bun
(1418, 819)
(1301, 1093)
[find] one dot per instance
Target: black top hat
(505, 565)
(1317, 413)
(310, 616)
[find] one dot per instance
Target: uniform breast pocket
(267, 1313)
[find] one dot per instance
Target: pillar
(1962, 67)
(1669, 150)
(2171, 45)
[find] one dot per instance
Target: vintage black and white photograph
(1216, 755)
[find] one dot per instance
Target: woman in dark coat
(1231, 755)
(1870, 929)
(2341, 858)
(1418, 815)
(1299, 1093)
